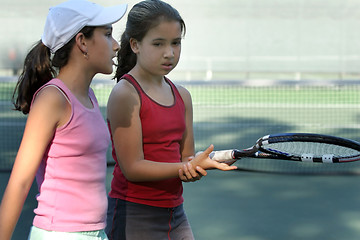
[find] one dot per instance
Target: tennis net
(232, 114)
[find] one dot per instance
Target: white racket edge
(222, 156)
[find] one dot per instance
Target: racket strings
(314, 148)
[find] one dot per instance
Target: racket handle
(222, 156)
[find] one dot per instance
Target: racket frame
(259, 150)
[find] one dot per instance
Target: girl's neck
(78, 83)
(146, 77)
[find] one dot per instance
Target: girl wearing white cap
(65, 138)
(150, 119)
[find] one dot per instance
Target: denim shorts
(41, 234)
(132, 221)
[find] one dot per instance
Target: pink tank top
(72, 174)
(162, 129)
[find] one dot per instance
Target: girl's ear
(134, 44)
(81, 43)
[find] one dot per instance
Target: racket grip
(221, 156)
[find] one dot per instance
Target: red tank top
(162, 129)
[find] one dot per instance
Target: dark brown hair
(39, 69)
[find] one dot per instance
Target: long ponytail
(36, 72)
(126, 58)
(39, 68)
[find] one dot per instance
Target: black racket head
(303, 153)
(310, 147)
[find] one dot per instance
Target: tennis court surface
(244, 204)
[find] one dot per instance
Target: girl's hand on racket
(202, 160)
(189, 174)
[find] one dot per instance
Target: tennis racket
(304, 147)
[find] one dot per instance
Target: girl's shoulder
(185, 94)
(182, 90)
(53, 103)
(53, 92)
(123, 88)
(123, 92)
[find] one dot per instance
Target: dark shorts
(132, 221)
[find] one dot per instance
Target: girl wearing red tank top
(151, 124)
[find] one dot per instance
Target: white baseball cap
(65, 20)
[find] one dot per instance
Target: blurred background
(228, 40)
(253, 67)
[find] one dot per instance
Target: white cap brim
(108, 15)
